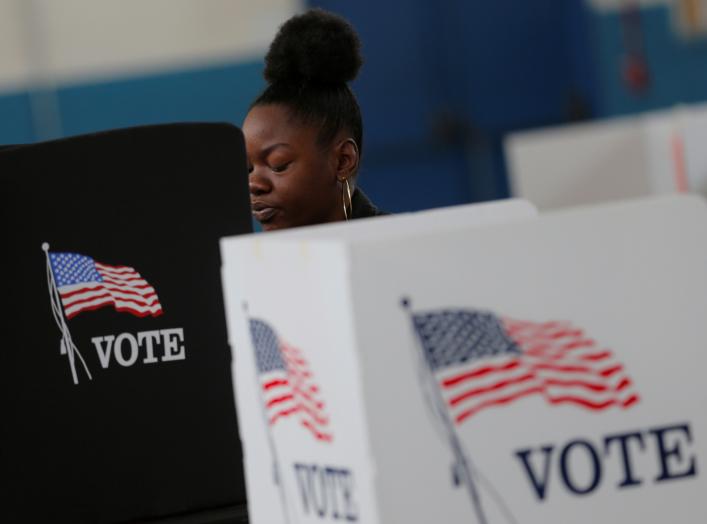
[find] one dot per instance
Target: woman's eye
(280, 167)
(250, 169)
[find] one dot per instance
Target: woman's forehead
(274, 122)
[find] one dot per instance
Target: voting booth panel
(655, 153)
(116, 390)
(539, 370)
(584, 341)
(578, 164)
(281, 441)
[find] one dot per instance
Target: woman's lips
(263, 214)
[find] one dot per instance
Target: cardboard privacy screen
(116, 392)
(534, 370)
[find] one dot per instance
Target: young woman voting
(304, 132)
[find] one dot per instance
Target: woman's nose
(258, 183)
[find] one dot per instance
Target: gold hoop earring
(346, 191)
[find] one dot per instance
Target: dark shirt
(362, 207)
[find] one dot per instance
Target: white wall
(70, 41)
(14, 62)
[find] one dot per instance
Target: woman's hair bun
(316, 47)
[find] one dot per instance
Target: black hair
(308, 66)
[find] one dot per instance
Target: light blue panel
(678, 68)
(15, 119)
(215, 94)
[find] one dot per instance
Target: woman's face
(293, 181)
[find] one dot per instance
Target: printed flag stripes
(85, 285)
(483, 361)
(288, 386)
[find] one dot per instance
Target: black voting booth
(152, 435)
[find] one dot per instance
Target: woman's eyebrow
(266, 151)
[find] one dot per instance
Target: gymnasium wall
(442, 85)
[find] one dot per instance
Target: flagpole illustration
(462, 465)
(67, 344)
(277, 475)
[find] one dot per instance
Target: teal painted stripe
(211, 94)
(15, 119)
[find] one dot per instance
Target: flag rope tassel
(67, 343)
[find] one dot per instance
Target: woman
(304, 132)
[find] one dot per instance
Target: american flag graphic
(288, 387)
(84, 285)
(482, 361)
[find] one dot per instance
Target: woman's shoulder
(362, 207)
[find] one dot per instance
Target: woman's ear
(347, 159)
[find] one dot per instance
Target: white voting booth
(654, 153)
(480, 364)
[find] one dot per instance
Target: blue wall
(443, 82)
(219, 93)
(442, 85)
